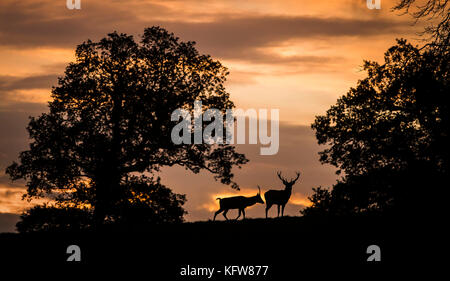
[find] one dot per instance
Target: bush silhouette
(51, 218)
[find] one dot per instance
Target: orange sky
(295, 55)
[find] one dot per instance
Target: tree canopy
(109, 123)
(389, 135)
(397, 114)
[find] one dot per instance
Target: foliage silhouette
(148, 202)
(51, 218)
(389, 136)
(109, 120)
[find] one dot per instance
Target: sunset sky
(295, 55)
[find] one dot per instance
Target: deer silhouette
(280, 197)
(237, 202)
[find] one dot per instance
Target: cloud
(28, 24)
(6, 181)
(252, 31)
(8, 222)
(288, 63)
(11, 200)
(14, 90)
(14, 137)
(11, 83)
(21, 107)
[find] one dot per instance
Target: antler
(281, 178)
(298, 175)
(259, 189)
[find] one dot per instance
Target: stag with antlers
(238, 202)
(280, 197)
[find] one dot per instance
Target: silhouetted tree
(321, 203)
(109, 121)
(389, 135)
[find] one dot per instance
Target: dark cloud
(8, 222)
(10, 87)
(11, 83)
(55, 68)
(29, 108)
(287, 66)
(14, 118)
(27, 25)
(228, 33)
(6, 181)
(14, 137)
(258, 56)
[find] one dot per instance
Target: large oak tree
(109, 121)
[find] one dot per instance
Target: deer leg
(243, 212)
(268, 206)
(239, 214)
(225, 214)
(282, 210)
(218, 212)
(278, 207)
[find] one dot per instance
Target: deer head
(288, 183)
(258, 196)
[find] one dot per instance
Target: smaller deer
(237, 202)
(280, 197)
